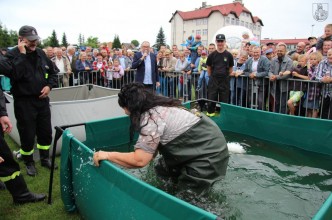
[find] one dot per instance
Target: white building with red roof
(207, 20)
(291, 43)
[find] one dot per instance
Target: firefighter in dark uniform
(219, 66)
(9, 168)
(32, 77)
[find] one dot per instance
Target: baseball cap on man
(220, 37)
(28, 32)
(203, 52)
(268, 51)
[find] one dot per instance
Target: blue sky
(141, 20)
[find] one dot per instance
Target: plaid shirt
(323, 67)
(313, 91)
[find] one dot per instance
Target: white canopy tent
(233, 35)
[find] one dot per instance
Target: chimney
(203, 4)
(239, 1)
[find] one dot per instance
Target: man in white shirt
(63, 65)
(257, 67)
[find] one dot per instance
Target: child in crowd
(189, 41)
(313, 91)
(295, 58)
(101, 66)
(193, 48)
(109, 74)
(326, 36)
(118, 72)
(202, 69)
(296, 88)
(235, 53)
(245, 40)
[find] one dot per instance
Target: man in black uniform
(9, 168)
(32, 77)
(219, 65)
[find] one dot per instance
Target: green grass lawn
(38, 184)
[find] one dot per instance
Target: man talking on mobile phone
(32, 77)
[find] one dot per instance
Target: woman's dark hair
(138, 99)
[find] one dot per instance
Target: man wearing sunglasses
(219, 66)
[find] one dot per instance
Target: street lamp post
(312, 29)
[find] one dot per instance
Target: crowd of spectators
(264, 77)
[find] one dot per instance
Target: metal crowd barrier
(261, 94)
(265, 95)
(105, 79)
(181, 85)
(63, 79)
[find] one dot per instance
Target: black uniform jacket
(29, 73)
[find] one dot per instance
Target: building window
(242, 23)
(199, 22)
(204, 42)
(233, 21)
(250, 26)
(205, 21)
(247, 25)
(237, 21)
(205, 32)
(258, 27)
(198, 32)
(227, 20)
(254, 27)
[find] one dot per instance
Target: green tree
(64, 40)
(5, 40)
(116, 42)
(92, 42)
(135, 43)
(46, 42)
(14, 37)
(54, 42)
(161, 40)
(8, 38)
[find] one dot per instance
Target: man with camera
(32, 76)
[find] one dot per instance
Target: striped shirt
(325, 69)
